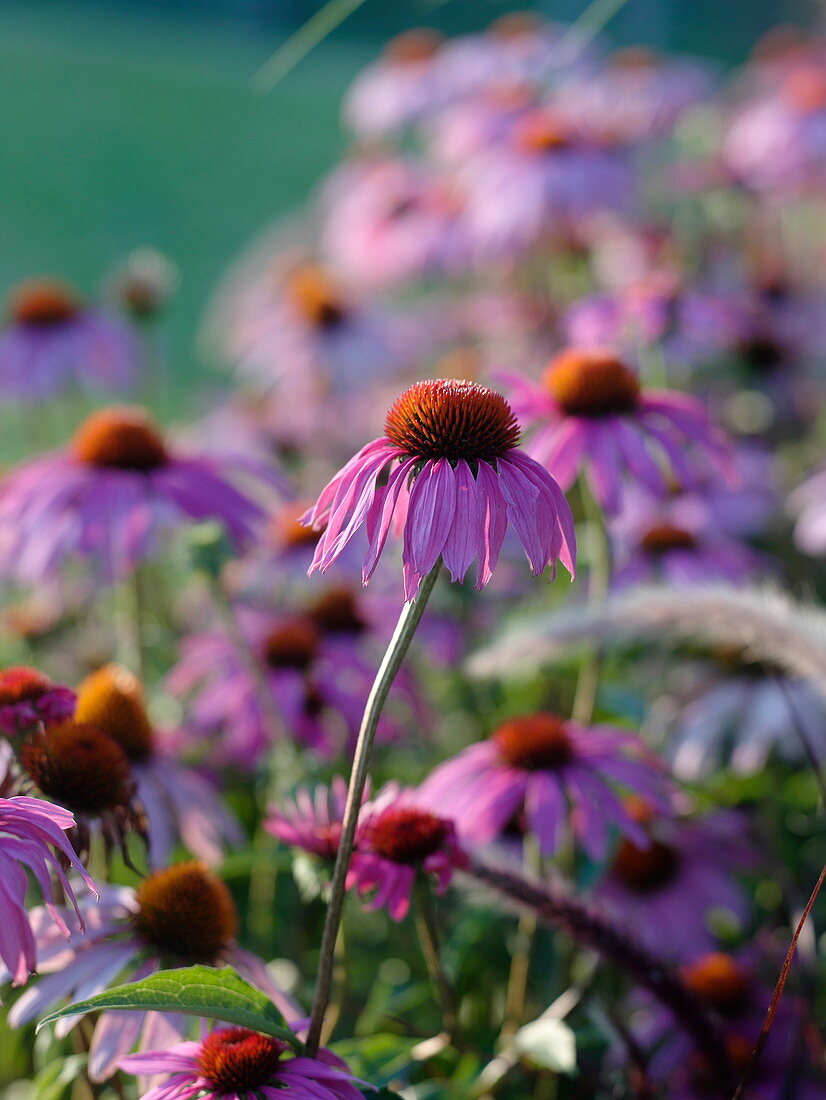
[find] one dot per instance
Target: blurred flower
(177, 917)
(32, 838)
(312, 820)
(393, 221)
(29, 699)
(107, 498)
(53, 341)
(456, 477)
(234, 1063)
(809, 502)
(145, 283)
(178, 802)
(665, 889)
(318, 676)
(84, 769)
(634, 96)
(398, 838)
(547, 776)
(590, 411)
(560, 176)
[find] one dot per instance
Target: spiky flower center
(413, 46)
(805, 89)
(592, 382)
(447, 418)
(112, 699)
(635, 59)
(540, 132)
(337, 612)
(407, 835)
(315, 296)
(293, 644)
(43, 303)
(534, 742)
(235, 1060)
(78, 766)
(122, 439)
(762, 353)
(186, 912)
(646, 869)
(717, 979)
(516, 24)
(663, 537)
(22, 684)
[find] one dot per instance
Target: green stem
(517, 990)
(427, 930)
(403, 635)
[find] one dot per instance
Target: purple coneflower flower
(29, 699)
(177, 917)
(30, 832)
(53, 341)
(455, 477)
(233, 1063)
(591, 412)
(312, 820)
(108, 497)
(548, 775)
(664, 889)
(398, 838)
(84, 769)
(178, 802)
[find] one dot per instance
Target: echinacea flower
(555, 776)
(590, 411)
(454, 480)
(179, 916)
(53, 341)
(29, 699)
(734, 990)
(32, 838)
(398, 838)
(665, 889)
(82, 768)
(177, 801)
(312, 820)
(233, 1063)
(108, 497)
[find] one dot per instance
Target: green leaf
(220, 994)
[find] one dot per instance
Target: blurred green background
(135, 122)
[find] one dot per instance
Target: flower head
(454, 479)
(398, 838)
(547, 775)
(178, 916)
(53, 340)
(28, 699)
(234, 1063)
(312, 820)
(108, 497)
(591, 411)
(32, 838)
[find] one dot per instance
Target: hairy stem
(592, 930)
(390, 665)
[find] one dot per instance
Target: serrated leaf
(216, 993)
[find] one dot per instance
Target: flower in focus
(549, 775)
(591, 411)
(179, 916)
(29, 699)
(53, 342)
(107, 498)
(32, 838)
(397, 839)
(665, 889)
(233, 1063)
(82, 768)
(454, 480)
(178, 801)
